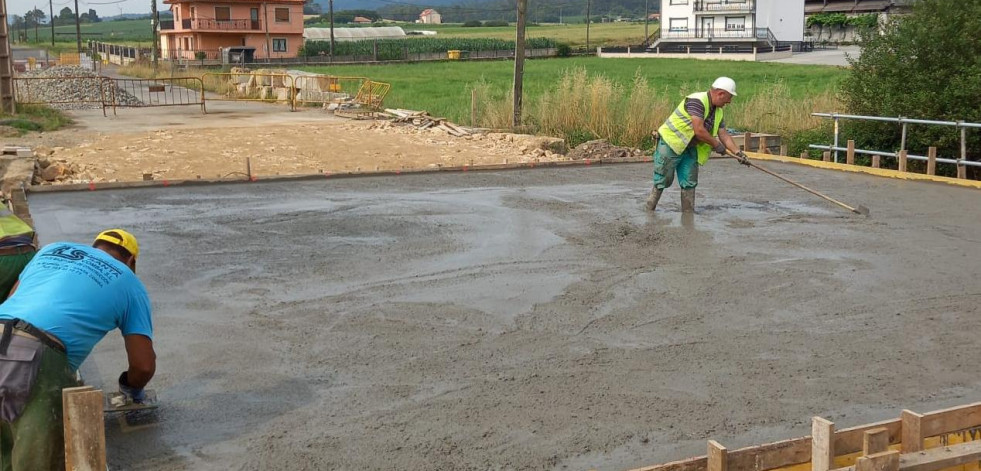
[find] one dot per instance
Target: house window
(678, 24)
(735, 23)
(192, 12)
(678, 2)
(279, 44)
(223, 13)
(282, 15)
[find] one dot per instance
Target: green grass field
(128, 32)
(443, 88)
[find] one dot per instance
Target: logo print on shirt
(73, 259)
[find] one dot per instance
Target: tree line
(66, 16)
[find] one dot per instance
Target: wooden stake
(876, 160)
(902, 161)
(822, 444)
(826, 156)
(875, 441)
(85, 435)
(886, 461)
(717, 457)
(783, 149)
(850, 153)
(803, 155)
(932, 161)
(912, 431)
(473, 108)
(746, 138)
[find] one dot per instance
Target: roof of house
(361, 19)
(428, 11)
(353, 34)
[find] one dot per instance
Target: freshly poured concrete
(535, 319)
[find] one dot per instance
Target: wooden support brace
(902, 161)
(822, 444)
(876, 161)
(783, 149)
(912, 431)
(875, 441)
(763, 145)
(826, 156)
(962, 171)
(717, 457)
(746, 138)
(932, 161)
(885, 461)
(803, 155)
(85, 435)
(850, 153)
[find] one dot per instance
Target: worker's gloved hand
(743, 159)
(720, 149)
(134, 395)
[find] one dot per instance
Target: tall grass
(583, 107)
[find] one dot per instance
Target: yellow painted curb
(879, 172)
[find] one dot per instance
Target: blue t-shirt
(79, 293)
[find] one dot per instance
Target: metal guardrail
(961, 162)
(326, 89)
(174, 91)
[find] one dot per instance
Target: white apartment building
(731, 22)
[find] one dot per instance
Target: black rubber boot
(688, 200)
(653, 199)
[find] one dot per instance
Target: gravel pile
(69, 87)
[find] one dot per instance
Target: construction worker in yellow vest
(687, 137)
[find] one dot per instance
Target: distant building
(201, 28)
(430, 16)
(354, 34)
(721, 23)
(654, 17)
(361, 20)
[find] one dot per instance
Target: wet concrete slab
(535, 319)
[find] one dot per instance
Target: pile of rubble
(600, 149)
(423, 120)
(70, 87)
(48, 170)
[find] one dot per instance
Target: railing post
(932, 161)
(822, 444)
(902, 142)
(876, 159)
(902, 160)
(912, 432)
(850, 153)
(961, 168)
(826, 156)
(836, 139)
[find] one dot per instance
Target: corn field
(395, 49)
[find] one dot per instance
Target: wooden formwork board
(870, 447)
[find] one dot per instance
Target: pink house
(202, 27)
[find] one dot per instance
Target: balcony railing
(221, 25)
(724, 6)
(760, 34)
(166, 24)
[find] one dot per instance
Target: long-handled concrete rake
(857, 210)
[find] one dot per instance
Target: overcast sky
(102, 7)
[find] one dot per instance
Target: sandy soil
(179, 143)
(536, 319)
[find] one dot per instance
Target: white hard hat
(725, 83)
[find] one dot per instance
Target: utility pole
(587, 26)
(78, 31)
(6, 64)
(519, 61)
(647, 21)
(36, 21)
(51, 11)
(330, 11)
(154, 23)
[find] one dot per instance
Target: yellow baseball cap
(121, 238)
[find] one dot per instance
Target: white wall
(669, 11)
(784, 17)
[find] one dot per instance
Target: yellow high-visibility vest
(677, 131)
(11, 225)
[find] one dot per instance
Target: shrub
(473, 24)
(923, 65)
(563, 50)
(200, 55)
(496, 23)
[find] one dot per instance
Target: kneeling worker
(68, 297)
(687, 137)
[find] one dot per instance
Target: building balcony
(703, 7)
(726, 34)
(209, 25)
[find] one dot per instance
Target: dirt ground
(181, 143)
(535, 319)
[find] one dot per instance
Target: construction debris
(423, 120)
(601, 149)
(70, 87)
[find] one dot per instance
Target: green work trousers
(666, 163)
(36, 440)
(10, 268)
